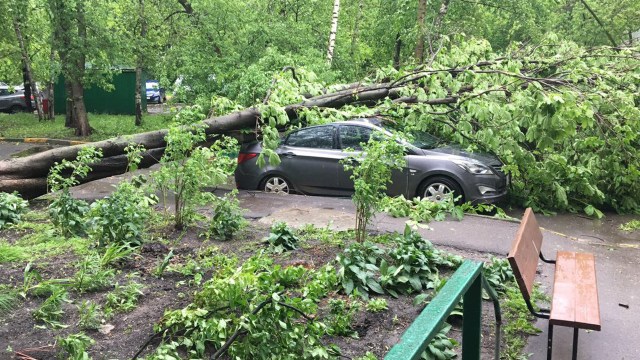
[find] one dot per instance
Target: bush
(67, 214)
(282, 238)
(227, 218)
(120, 218)
(12, 206)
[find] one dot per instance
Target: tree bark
(396, 52)
(422, 11)
(50, 86)
(437, 25)
(69, 119)
(140, 62)
(77, 87)
(26, 61)
(334, 30)
(79, 110)
(27, 88)
(356, 29)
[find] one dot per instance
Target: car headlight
(473, 167)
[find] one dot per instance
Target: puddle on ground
(32, 150)
(605, 230)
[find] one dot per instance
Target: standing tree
(19, 15)
(140, 60)
(70, 29)
(422, 11)
(334, 30)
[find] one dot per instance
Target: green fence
(466, 283)
(120, 100)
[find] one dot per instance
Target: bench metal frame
(467, 283)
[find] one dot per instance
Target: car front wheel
(276, 184)
(438, 188)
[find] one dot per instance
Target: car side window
(352, 136)
(4, 92)
(320, 137)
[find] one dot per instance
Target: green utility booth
(121, 100)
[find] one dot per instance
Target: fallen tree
(564, 119)
(28, 175)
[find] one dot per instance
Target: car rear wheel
(438, 188)
(276, 184)
(16, 109)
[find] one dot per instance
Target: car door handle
(289, 154)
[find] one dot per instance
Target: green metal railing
(466, 282)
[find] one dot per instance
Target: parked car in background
(310, 164)
(12, 101)
(155, 93)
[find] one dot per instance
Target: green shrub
(371, 174)
(441, 346)
(187, 168)
(282, 238)
(340, 319)
(358, 269)
(12, 206)
(498, 273)
(67, 213)
(50, 312)
(91, 275)
(227, 217)
(75, 346)
(377, 305)
(123, 298)
(120, 218)
(90, 315)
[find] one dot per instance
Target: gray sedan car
(310, 164)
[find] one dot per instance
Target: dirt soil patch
(128, 331)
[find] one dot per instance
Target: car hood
(483, 157)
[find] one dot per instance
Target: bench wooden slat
(575, 295)
(524, 253)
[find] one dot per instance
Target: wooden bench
(574, 301)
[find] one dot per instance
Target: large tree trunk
(69, 119)
(27, 89)
(26, 61)
(79, 110)
(140, 62)
(396, 52)
(437, 26)
(356, 28)
(334, 30)
(422, 11)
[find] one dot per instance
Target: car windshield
(419, 139)
(152, 86)
(425, 140)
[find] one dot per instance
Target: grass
(105, 126)
(39, 242)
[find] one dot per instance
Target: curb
(43, 141)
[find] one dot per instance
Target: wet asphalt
(617, 256)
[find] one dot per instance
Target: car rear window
(320, 137)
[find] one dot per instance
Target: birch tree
(334, 30)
